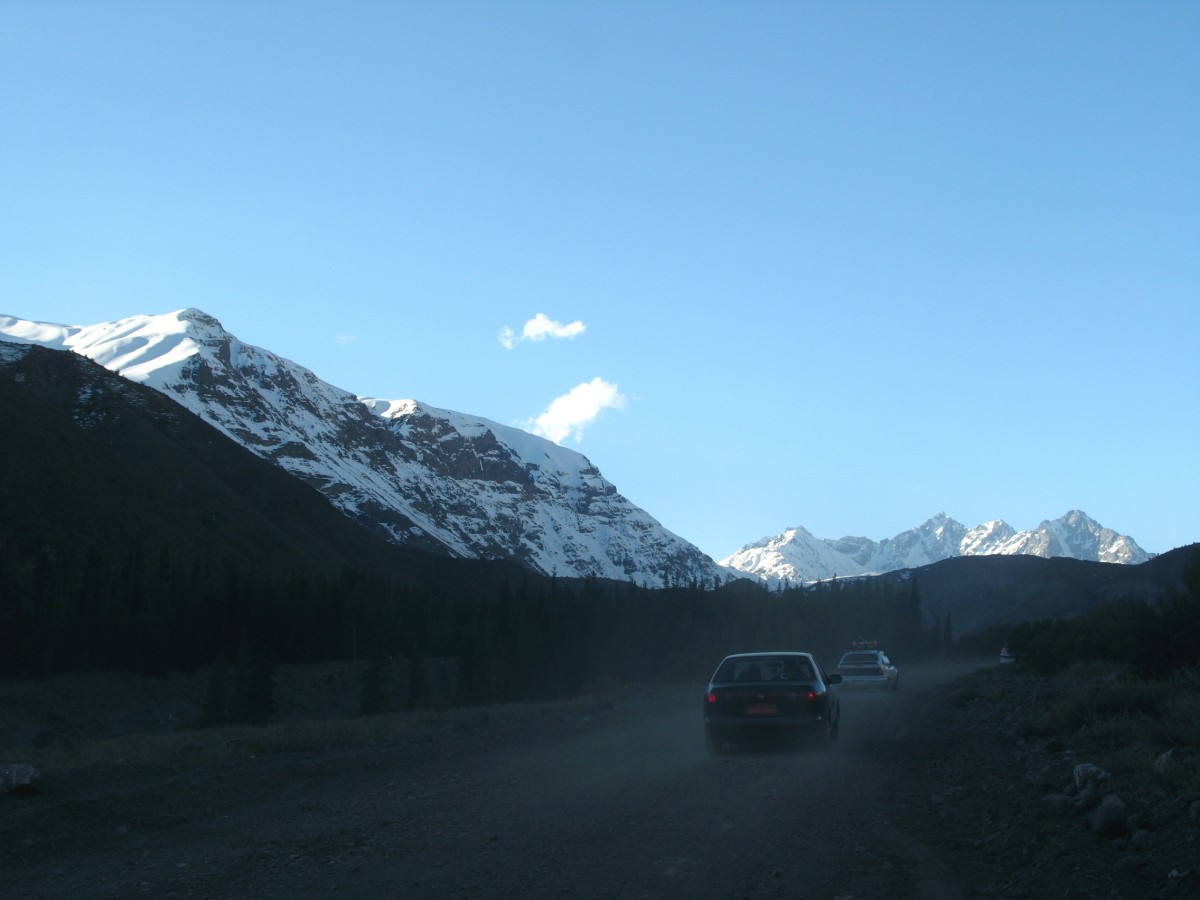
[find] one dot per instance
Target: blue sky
(838, 265)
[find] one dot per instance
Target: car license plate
(761, 709)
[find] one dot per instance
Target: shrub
(1118, 707)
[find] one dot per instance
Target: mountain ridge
(464, 486)
(981, 592)
(797, 556)
(426, 478)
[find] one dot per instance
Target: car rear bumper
(865, 682)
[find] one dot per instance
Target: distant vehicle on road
(780, 694)
(865, 665)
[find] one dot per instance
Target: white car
(868, 668)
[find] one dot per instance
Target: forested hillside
(135, 537)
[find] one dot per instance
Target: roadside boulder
(1177, 759)
(1086, 774)
(1110, 820)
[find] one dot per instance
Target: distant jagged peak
(796, 555)
(942, 528)
(983, 539)
(791, 534)
(1077, 518)
(994, 526)
(197, 316)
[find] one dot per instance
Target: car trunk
(763, 700)
(872, 669)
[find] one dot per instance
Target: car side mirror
(835, 678)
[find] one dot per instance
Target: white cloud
(568, 414)
(539, 328)
(346, 338)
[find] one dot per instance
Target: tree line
(1156, 638)
(526, 637)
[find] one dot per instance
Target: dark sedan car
(782, 693)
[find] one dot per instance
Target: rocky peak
(422, 476)
(795, 556)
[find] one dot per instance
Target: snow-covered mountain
(797, 557)
(431, 478)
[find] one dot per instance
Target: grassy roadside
(1144, 727)
(67, 723)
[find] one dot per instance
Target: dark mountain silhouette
(93, 464)
(978, 592)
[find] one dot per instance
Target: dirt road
(621, 800)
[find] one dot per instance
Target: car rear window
(859, 659)
(765, 668)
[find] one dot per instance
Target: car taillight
(712, 698)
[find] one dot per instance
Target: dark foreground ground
(929, 793)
